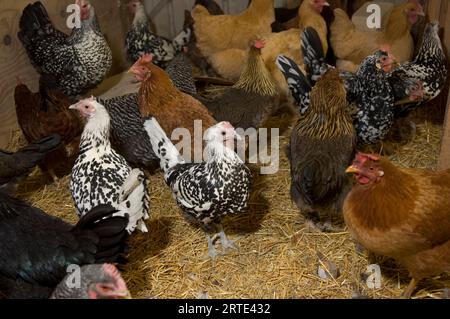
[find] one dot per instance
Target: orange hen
(158, 97)
(401, 213)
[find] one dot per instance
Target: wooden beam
(444, 159)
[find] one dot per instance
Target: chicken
(100, 281)
(193, 52)
(229, 63)
(71, 63)
(217, 33)
(101, 176)
(368, 90)
(250, 102)
(209, 190)
(309, 15)
(180, 71)
(428, 68)
(47, 112)
(15, 166)
(127, 134)
(352, 46)
(322, 146)
(37, 249)
(210, 5)
(401, 213)
(140, 40)
(173, 109)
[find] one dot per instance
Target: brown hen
(158, 97)
(401, 213)
(44, 113)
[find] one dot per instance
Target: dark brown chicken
(254, 97)
(322, 146)
(44, 113)
(401, 213)
(173, 109)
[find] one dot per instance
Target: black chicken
(15, 166)
(37, 248)
(71, 63)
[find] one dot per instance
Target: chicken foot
(410, 289)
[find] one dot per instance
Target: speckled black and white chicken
(428, 67)
(368, 89)
(102, 176)
(127, 134)
(141, 40)
(180, 71)
(71, 63)
(209, 190)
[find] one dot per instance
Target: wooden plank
(444, 159)
(14, 61)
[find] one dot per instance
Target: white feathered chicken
(101, 176)
(209, 190)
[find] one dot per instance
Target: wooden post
(444, 158)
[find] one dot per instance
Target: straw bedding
(277, 256)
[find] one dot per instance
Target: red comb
(259, 44)
(361, 157)
(146, 58)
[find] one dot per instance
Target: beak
(326, 4)
(352, 170)
(124, 294)
(73, 107)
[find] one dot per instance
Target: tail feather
(101, 234)
(299, 85)
(136, 202)
(198, 11)
(162, 145)
(313, 56)
(33, 22)
(43, 146)
(182, 39)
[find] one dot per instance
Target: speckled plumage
(140, 40)
(180, 71)
(71, 63)
(127, 135)
(205, 191)
(429, 67)
(374, 99)
(369, 90)
(102, 176)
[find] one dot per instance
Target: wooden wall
(440, 10)
(14, 61)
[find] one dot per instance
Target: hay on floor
(277, 256)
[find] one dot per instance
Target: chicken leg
(225, 241)
(410, 289)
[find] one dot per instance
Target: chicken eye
(224, 133)
(86, 107)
